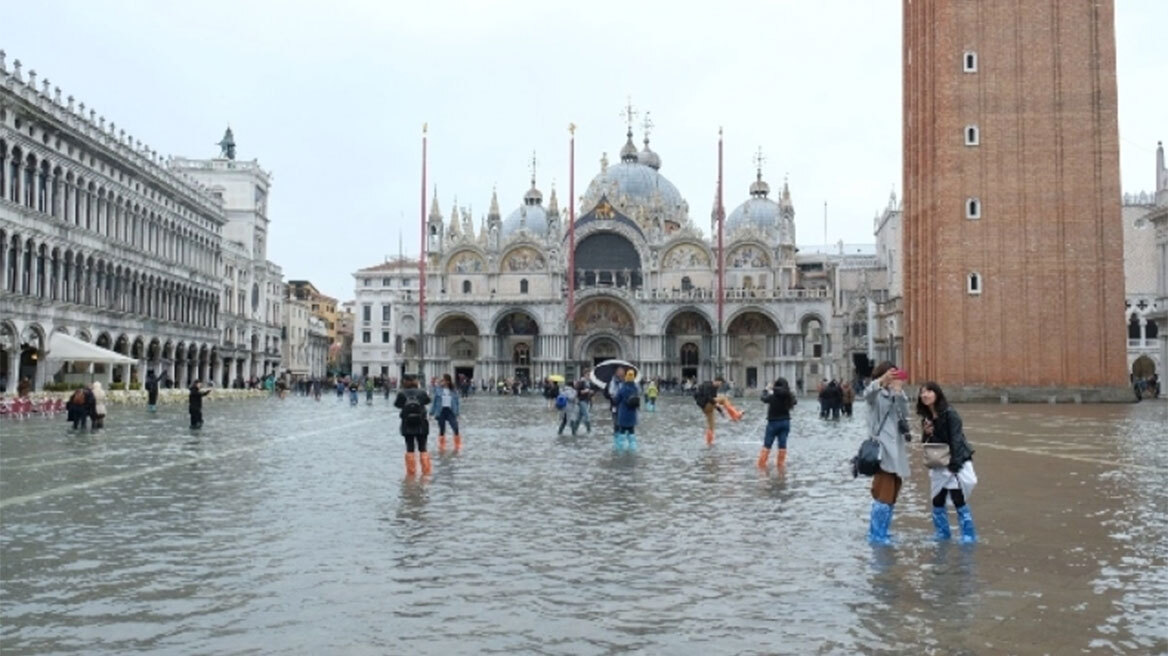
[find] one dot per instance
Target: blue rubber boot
(941, 524)
(878, 524)
(631, 438)
(965, 518)
(618, 441)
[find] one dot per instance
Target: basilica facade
(645, 288)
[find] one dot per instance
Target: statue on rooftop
(227, 145)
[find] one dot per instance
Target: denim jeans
(777, 428)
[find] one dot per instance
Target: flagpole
(571, 232)
(422, 274)
(719, 364)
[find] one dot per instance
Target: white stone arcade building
(646, 284)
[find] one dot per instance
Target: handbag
(936, 455)
(867, 460)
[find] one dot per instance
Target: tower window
(973, 284)
(969, 62)
(972, 208)
(465, 286)
(523, 286)
(972, 136)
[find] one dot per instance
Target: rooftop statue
(227, 145)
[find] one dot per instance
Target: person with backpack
(569, 409)
(77, 410)
(445, 410)
(151, 391)
(195, 404)
(887, 413)
(779, 400)
(415, 427)
(708, 396)
(627, 401)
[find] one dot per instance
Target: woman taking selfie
(887, 415)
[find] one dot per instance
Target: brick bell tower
(1013, 238)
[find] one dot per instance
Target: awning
(64, 347)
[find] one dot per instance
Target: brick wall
(1049, 243)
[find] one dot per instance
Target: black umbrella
(603, 372)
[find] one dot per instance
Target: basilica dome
(636, 187)
(531, 216)
(759, 211)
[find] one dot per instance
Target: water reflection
(288, 528)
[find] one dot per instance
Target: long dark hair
(940, 405)
(447, 381)
(783, 390)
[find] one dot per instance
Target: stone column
(126, 375)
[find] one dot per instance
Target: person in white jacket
(98, 406)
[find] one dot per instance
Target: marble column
(13, 370)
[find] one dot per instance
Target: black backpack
(633, 402)
(413, 412)
(702, 397)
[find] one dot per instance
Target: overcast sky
(331, 98)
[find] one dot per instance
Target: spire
(493, 212)
(647, 156)
(435, 213)
(533, 195)
(482, 231)
(628, 152)
(759, 188)
(785, 199)
(553, 204)
(453, 230)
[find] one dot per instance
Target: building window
(972, 208)
(969, 62)
(465, 286)
(686, 284)
(384, 371)
(385, 312)
(523, 286)
(386, 282)
(364, 370)
(521, 354)
(973, 284)
(366, 312)
(366, 338)
(366, 281)
(385, 337)
(972, 135)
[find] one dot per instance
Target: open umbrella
(603, 372)
(556, 378)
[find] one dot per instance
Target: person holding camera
(888, 425)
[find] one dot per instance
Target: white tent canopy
(64, 347)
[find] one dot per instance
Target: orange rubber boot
(427, 466)
(411, 464)
(457, 442)
(441, 444)
(735, 413)
(764, 457)
(781, 459)
(709, 436)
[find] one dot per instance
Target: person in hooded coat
(151, 392)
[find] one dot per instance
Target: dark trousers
(415, 443)
(446, 415)
(196, 418)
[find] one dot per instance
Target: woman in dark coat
(940, 423)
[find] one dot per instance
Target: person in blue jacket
(445, 409)
(627, 401)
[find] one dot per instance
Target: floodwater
(287, 528)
